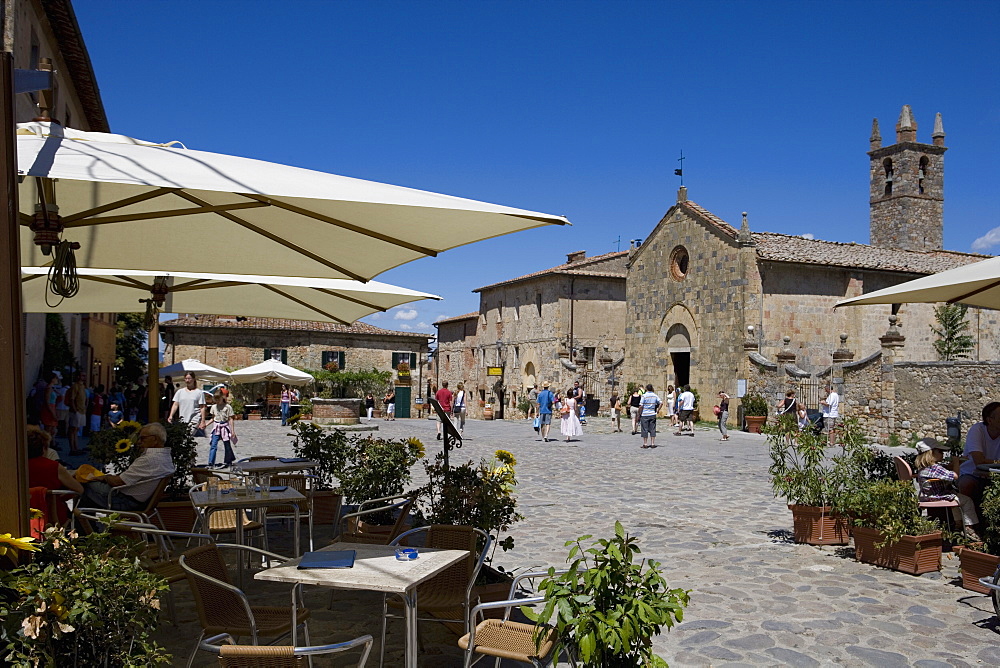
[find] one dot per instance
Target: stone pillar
(840, 357)
(892, 343)
(785, 358)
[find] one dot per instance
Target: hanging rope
(158, 295)
(152, 314)
(63, 280)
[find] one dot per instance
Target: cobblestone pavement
(705, 510)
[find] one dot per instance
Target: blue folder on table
(292, 460)
(327, 559)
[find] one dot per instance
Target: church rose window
(679, 263)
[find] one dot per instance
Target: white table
(375, 569)
(232, 501)
(265, 466)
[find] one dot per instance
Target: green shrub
(889, 506)
(754, 405)
(606, 608)
(81, 601)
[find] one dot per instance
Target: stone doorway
(681, 363)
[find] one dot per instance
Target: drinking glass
(212, 486)
(265, 486)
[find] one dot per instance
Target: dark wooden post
(14, 472)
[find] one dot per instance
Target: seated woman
(46, 472)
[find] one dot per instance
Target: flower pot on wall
(912, 554)
(755, 422)
(975, 565)
(815, 525)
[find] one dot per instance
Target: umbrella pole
(153, 372)
(14, 475)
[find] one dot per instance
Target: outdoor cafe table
(266, 466)
(239, 503)
(375, 569)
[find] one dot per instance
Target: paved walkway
(704, 509)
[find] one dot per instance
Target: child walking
(938, 484)
(223, 429)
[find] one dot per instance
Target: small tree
(57, 355)
(953, 343)
(130, 347)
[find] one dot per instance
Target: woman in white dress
(569, 424)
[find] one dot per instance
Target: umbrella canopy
(138, 203)
(201, 370)
(271, 370)
(974, 285)
(322, 300)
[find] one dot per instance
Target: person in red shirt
(444, 397)
(46, 472)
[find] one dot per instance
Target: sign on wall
(494, 371)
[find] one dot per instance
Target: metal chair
(905, 474)
(272, 656)
(55, 509)
(505, 639)
(302, 483)
(350, 530)
(224, 521)
(448, 591)
(149, 511)
(224, 608)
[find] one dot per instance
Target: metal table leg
(410, 651)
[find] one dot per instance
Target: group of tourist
(389, 401)
(453, 404)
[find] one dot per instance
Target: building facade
(560, 325)
(699, 287)
(235, 342)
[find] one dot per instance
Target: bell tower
(907, 187)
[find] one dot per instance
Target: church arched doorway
(679, 348)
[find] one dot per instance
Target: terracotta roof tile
(456, 318)
(785, 248)
(578, 268)
(710, 218)
(241, 322)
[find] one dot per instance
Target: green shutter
(341, 360)
(395, 360)
(413, 360)
(267, 353)
(284, 356)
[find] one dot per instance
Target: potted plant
(327, 448)
(980, 559)
(606, 608)
(79, 601)
(305, 409)
(237, 406)
(889, 530)
(116, 448)
(754, 411)
(375, 467)
(802, 475)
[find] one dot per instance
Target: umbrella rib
(275, 238)
(974, 292)
(111, 206)
(172, 213)
(304, 304)
(340, 223)
(341, 295)
(207, 284)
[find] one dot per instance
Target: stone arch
(679, 339)
(528, 376)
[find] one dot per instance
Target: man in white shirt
(189, 403)
(982, 446)
(138, 482)
(686, 413)
(830, 407)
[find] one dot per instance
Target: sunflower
(130, 427)
(417, 446)
(10, 545)
(506, 457)
(123, 445)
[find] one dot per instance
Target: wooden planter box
(814, 525)
(912, 554)
(975, 565)
(253, 416)
(755, 422)
(176, 515)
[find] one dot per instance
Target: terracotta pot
(976, 565)
(912, 554)
(326, 506)
(253, 416)
(488, 412)
(755, 422)
(815, 525)
(176, 515)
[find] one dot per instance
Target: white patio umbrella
(974, 285)
(202, 371)
(271, 370)
(129, 202)
(323, 300)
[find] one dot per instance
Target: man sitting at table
(139, 480)
(982, 446)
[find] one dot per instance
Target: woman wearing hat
(938, 484)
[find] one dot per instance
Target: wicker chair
(270, 656)
(303, 484)
(149, 512)
(905, 474)
(505, 639)
(224, 521)
(224, 608)
(449, 590)
(350, 531)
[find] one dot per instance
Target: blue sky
(576, 108)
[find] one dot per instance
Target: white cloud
(406, 314)
(423, 325)
(376, 316)
(808, 235)
(406, 327)
(987, 241)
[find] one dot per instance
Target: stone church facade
(703, 295)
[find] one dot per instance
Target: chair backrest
(217, 605)
(401, 503)
(240, 656)
(262, 458)
(202, 475)
(903, 470)
(154, 499)
(458, 577)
